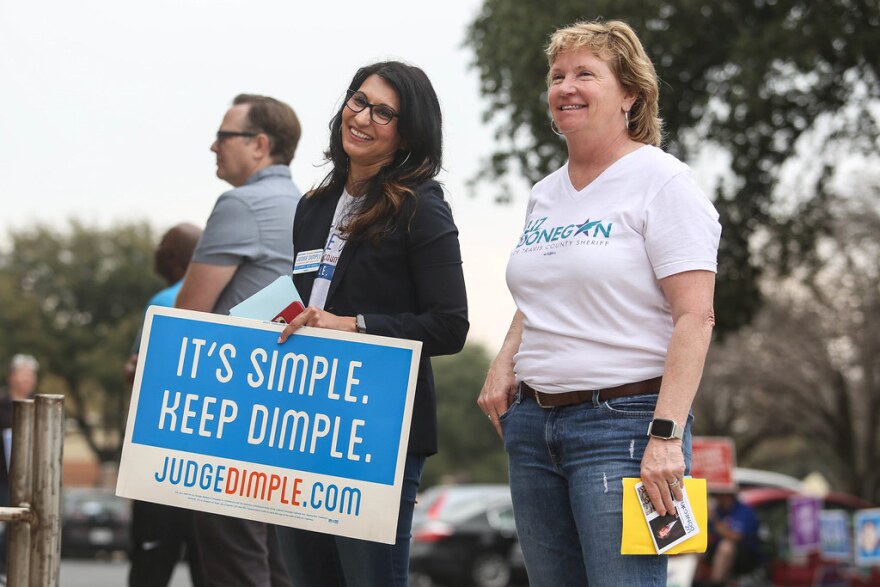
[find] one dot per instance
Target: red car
(771, 506)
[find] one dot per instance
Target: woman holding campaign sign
(613, 279)
(376, 251)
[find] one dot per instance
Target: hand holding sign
(318, 318)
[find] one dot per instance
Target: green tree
(74, 298)
(470, 451)
(754, 78)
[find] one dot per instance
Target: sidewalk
(94, 573)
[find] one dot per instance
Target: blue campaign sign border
(866, 536)
(203, 387)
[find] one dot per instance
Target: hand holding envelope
(645, 532)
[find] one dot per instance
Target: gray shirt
(251, 227)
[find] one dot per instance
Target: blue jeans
(566, 466)
(322, 560)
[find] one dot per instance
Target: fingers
(496, 423)
(495, 399)
(498, 408)
(288, 330)
(317, 318)
(675, 488)
(302, 319)
(670, 492)
(662, 495)
(494, 418)
(662, 473)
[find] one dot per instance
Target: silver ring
(674, 483)
(489, 416)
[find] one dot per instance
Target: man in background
(247, 244)
(21, 384)
(160, 533)
(734, 542)
(171, 259)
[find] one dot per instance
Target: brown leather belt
(570, 398)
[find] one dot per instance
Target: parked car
(748, 478)
(464, 535)
(783, 569)
(94, 521)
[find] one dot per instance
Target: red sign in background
(714, 459)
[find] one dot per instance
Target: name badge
(307, 261)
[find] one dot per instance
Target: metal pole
(48, 446)
(20, 491)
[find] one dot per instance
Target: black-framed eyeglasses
(379, 113)
(228, 134)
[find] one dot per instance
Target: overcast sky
(109, 109)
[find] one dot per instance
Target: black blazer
(410, 285)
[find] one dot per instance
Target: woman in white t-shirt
(613, 278)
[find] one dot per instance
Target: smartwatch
(360, 324)
(665, 429)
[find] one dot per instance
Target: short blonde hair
(616, 43)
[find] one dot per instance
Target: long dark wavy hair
(419, 158)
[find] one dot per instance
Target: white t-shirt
(586, 268)
(332, 250)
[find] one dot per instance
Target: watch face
(662, 428)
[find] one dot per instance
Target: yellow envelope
(636, 533)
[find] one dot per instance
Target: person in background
(20, 385)
(246, 245)
(160, 533)
(170, 261)
(391, 266)
(613, 279)
(734, 541)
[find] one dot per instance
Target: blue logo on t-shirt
(535, 233)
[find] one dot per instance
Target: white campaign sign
(310, 434)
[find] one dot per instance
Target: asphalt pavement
(96, 573)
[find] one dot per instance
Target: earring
(405, 159)
(626, 117)
(555, 128)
